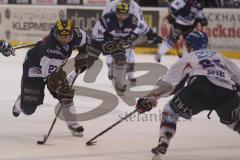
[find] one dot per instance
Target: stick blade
(91, 143)
(43, 141)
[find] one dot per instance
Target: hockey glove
(143, 105)
(153, 37)
(58, 86)
(6, 48)
(156, 38)
(81, 62)
(55, 80)
(65, 94)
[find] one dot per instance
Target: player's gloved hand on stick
(145, 104)
(156, 38)
(59, 87)
(153, 37)
(6, 48)
(57, 78)
(81, 62)
(65, 94)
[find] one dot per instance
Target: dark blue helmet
(198, 40)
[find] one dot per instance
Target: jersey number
(52, 68)
(206, 63)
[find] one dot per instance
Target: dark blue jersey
(108, 27)
(48, 55)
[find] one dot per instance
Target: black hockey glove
(203, 22)
(58, 86)
(156, 39)
(6, 48)
(65, 94)
(153, 37)
(56, 79)
(81, 62)
(143, 105)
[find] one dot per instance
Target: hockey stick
(24, 46)
(45, 138)
(92, 142)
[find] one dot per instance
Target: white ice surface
(199, 139)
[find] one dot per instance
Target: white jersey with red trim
(218, 69)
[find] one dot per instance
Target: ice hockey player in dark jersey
(212, 82)
(43, 67)
(183, 17)
(111, 34)
(6, 48)
(136, 10)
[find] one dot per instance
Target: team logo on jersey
(54, 51)
(34, 72)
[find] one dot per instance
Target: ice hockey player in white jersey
(183, 17)
(6, 48)
(43, 66)
(212, 84)
(111, 34)
(136, 10)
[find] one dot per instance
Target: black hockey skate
(76, 130)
